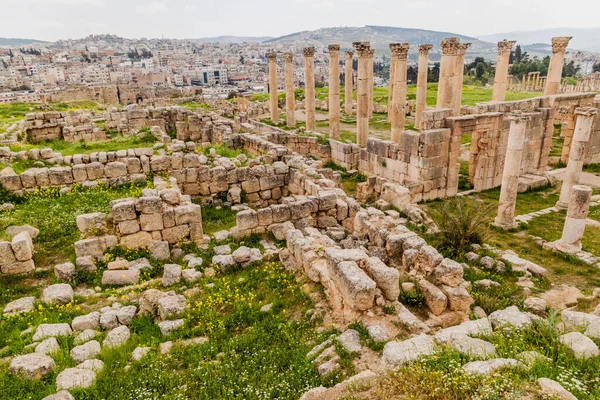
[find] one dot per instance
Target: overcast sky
(62, 19)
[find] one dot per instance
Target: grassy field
(563, 268)
(471, 94)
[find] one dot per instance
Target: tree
(570, 69)
(242, 60)
(434, 73)
(596, 67)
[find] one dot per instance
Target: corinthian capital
(450, 46)
(362, 48)
(309, 51)
(559, 44)
(424, 49)
(272, 56)
(334, 49)
(505, 47)
(288, 57)
(399, 50)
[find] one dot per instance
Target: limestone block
(117, 278)
(247, 220)
(434, 297)
(357, 289)
(22, 246)
(386, 278)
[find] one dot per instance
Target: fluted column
(398, 65)
(370, 80)
(510, 176)
(459, 77)
(309, 87)
(362, 93)
(559, 46)
(422, 72)
(273, 86)
(334, 91)
(579, 145)
(348, 73)
(501, 75)
(290, 101)
(390, 86)
(447, 71)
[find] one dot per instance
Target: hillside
(18, 41)
(583, 38)
(235, 39)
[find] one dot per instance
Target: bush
(461, 222)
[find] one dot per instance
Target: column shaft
(459, 74)
(371, 76)
(422, 72)
(398, 65)
(290, 100)
(348, 73)
(273, 87)
(447, 71)
(559, 46)
(510, 176)
(334, 91)
(574, 228)
(309, 87)
(581, 137)
(501, 76)
(362, 93)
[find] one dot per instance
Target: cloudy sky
(62, 19)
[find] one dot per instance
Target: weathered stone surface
(241, 254)
(159, 250)
(58, 294)
(535, 305)
(171, 274)
(575, 320)
(489, 366)
(386, 278)
(62, 395)
(280, 230)
(171, 306)
(398, 353)
(64, 272)
(126, 314)
(435, 299)
(554, 389)
(479, 327)
(22, 246)
(167, 327)
(580, 345)
(378, 333)
(355, 285)
(85, 352)
(140, 352)
(48, 346)
(191, 275)
(448, 272)
(88, 321)
(510, 316)
(75, 378)
(350, 341)
(31, 366)
(117, 337)
(117, 278)
(51, 330)
(472, 346)
(22, 305)
(224, 262)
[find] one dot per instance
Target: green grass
(55, 214)
(194, 105)
(349, 181)
(82, 147)
(224, 151)
(214, 220)
(250, 354)
(592, 168)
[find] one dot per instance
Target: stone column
(334, 91)
(510, 176)
(581, 138)
(574, 228)
(272, 56)
(447, 70)
(559, 46)
(422, 72)
(370, 81)
(398, 107)
(290, 100)
(348, 73)
(362, 93)
(390, 86)
(309, 87)
(459, 75)
(501, 76)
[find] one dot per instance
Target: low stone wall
(593, 154)
(16, 255)
(161, 217)
(70, 126)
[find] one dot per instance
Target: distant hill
(235, 39)
(380, 38)
(18, 42)
(587, 39)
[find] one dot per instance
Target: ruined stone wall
(346, 155)
(99, 94)
(71, 126)
(16, 255)
(593, 155)
(263, 184)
